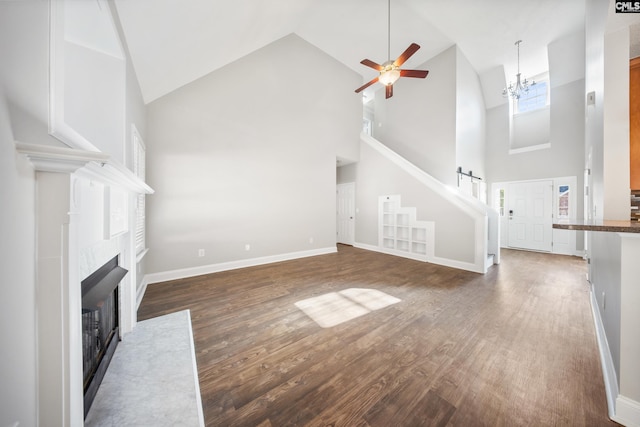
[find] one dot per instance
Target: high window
(530, 119)
(536, 98)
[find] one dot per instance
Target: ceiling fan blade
(420, 74)
(370, 63)
(388, 91)
(363, 87)
(406, 54)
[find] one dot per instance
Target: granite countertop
(599, 225)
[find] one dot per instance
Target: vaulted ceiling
(173, 42)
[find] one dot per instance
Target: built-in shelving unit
(400, 233)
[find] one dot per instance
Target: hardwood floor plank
(513, 347)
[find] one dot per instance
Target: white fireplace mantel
(59, 213)
(47, 158)
(94, 165)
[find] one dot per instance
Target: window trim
(138, 160)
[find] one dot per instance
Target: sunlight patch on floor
(334, 308)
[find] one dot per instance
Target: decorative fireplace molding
(95, 165)
(59, 159)
(60, 265)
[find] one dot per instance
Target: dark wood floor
(513, 347)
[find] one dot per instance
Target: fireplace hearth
(100, 327)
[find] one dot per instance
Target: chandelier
(520, 87)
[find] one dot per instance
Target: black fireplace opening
(100, 330)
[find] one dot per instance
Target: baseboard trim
(141, 291)
(460, 265)
(374, 248)
(608, 369)
(232, 265)
(627, 412)
(446, 262)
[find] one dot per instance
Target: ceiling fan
(390, 70)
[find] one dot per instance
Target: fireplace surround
(100, 325)
(71, 219)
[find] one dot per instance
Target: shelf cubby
(418, 234)
(419, 248)
(400, 233)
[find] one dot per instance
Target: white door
(530, 212)
(345, 213)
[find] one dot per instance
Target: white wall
(88, 85)
(595, 21)
(24, 71)
(530, 129)
(419, 121)
(17, 294)
(470, 118)
(616, 172)
(346, 173)
(23, 116)
(247, 155)
(94, 97)
(605, 278)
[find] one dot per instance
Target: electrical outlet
(247, 247)
(200, 252)
(310, 239)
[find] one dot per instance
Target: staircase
(455, 230)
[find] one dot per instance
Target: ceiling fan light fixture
(390, 71)
(389, 77)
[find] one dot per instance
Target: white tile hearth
(152, 379)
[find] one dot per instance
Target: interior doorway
(345, 213)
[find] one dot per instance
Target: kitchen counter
(599, 225)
